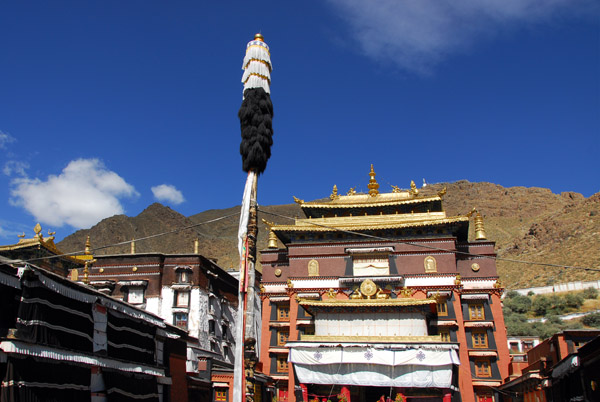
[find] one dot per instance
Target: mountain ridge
(527, 223)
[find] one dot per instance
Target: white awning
(323, 355)
(376, 375)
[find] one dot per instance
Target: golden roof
(37, 241)
(366, 200)
(365, 302)
(369, 222)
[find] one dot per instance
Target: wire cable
(436, 248)
(130, 241)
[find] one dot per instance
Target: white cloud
(167, 192)
(5, 139)
(417, 34)
(15, 168)
(83, 194)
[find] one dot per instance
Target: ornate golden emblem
(313, 268)
(368, 288)
(430, 264)
(475, 267)
(277, 272)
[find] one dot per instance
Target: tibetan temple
(382, 296)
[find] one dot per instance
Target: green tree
(591, 320)
(519, 304)
(540, 305)
(574, 300)
(590, 293)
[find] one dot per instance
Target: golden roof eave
(365, 201)
(47, 243)
(313, 225)
(366, 302)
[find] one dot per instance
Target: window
(282, 364)
(483, 368)
(182, 298)
(476, 311)
(225, 351)
(183, 276)
(527, 345)
(221, 394)
(282, 337)
(283, 313)
(309, 330)
(211, 327)
(180, 320)
(445, 334)
(442, 308)
(224, 331)
(134, 295)
(514, 347)
(480, 339)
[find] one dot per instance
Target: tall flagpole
(255, 114)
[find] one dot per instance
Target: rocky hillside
(531, 224)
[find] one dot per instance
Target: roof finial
(479, 228)
(88, 246)
(373, 185)
(334, 193)
(132, 246)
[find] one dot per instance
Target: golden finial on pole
(86, 271)
(373, 185)
(479, 228)
(272, 240)
(88, 246)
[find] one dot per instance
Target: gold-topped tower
(373, 185)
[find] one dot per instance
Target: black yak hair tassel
(256, 118)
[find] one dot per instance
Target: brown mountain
(531, 224)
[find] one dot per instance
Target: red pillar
(304, 392)
(346, 392)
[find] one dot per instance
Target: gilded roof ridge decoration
(366, 200)
(307, 225)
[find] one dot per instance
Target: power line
(131, 241)
(437, 248)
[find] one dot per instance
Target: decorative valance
(475, 296)
(479, 324)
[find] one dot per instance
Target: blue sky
(108, 106)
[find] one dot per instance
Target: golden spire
(88, 246)
(196, 245)
(132, 246)
(259, 37)
(334, 194)
(86, 270)
(373, 185)
(272, 240)
(479, 229)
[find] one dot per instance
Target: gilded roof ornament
(334, 193)
(396, 189)
(352, 191)
(373, 185)
(272, 240)
(88, 246)
(298, 200)
(479, 228)
(413, 188)
(38, 231)
(442, 192)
